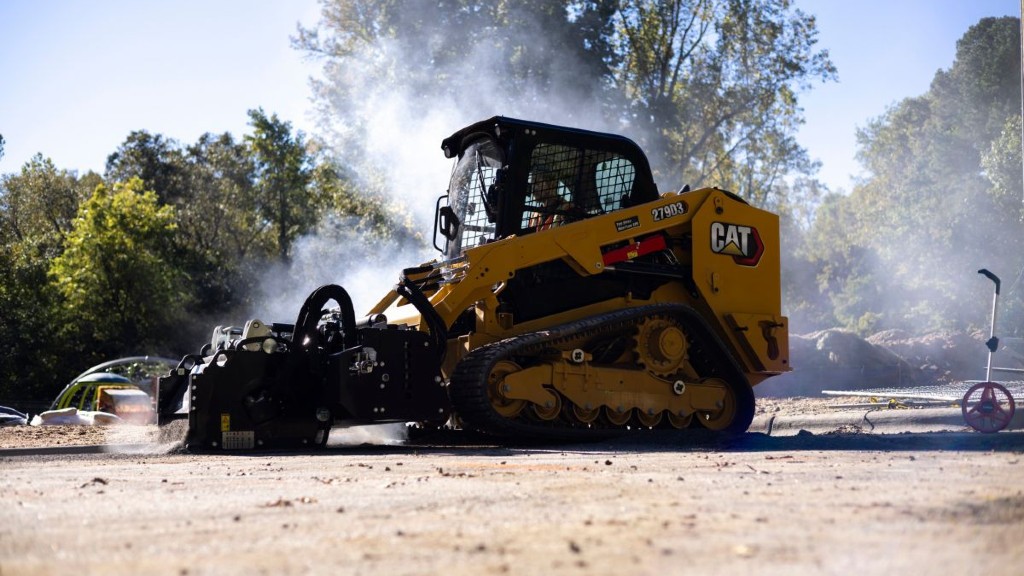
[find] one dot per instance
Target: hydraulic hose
(312, 311)
(438, 331)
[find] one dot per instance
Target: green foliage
(284, 198)
(510, 51)
(943, 199)
(37, 209)
(219, 231)
(98, 268)
(154, 159)
(40, 203)
(30, 363)
(120, 289)
(712, 87)
(368, 214)
(242, 204)
(1003, 167)
(708, 88)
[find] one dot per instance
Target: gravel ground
(821, 503)
(69, 435)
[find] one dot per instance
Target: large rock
(839, 360)
(944, 356)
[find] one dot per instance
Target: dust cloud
(374, 434)
(386, 133)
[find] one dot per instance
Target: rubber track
(468, 387)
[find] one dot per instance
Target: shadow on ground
(469, 444)
(647, 442)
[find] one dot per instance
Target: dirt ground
(813, 503)
(68, 436)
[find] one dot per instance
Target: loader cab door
(470, 219)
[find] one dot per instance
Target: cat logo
(743, 243)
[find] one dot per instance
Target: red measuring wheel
(988, 407)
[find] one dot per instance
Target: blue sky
(885, 50)
(76, 77)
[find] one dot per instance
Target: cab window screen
(470, 191)
(569, 183)
(614, 182)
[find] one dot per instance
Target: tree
(37, 209)
(712, 88)
(39, 203)
(220, 234)
(366, 214)
(708, 87)
(240, 203)
(212, 187)
(1003, 167)
(119, 286)
(283, 172)
(469, 53)
(96, 269)
(156, 160)
(942, 196)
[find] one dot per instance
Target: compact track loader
(571, 301)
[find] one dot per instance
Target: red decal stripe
(635, 250)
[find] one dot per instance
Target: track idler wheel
(736, 411)
(585, 415)
(680, 422)
(548, 411)
(648, 419)
(504, 406)
(988, 407)
(616, 417)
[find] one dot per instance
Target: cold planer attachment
(285, 386)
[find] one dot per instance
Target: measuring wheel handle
(988, 407)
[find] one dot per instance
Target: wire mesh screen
(470, 186)
(568, 183)
(476, 227)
